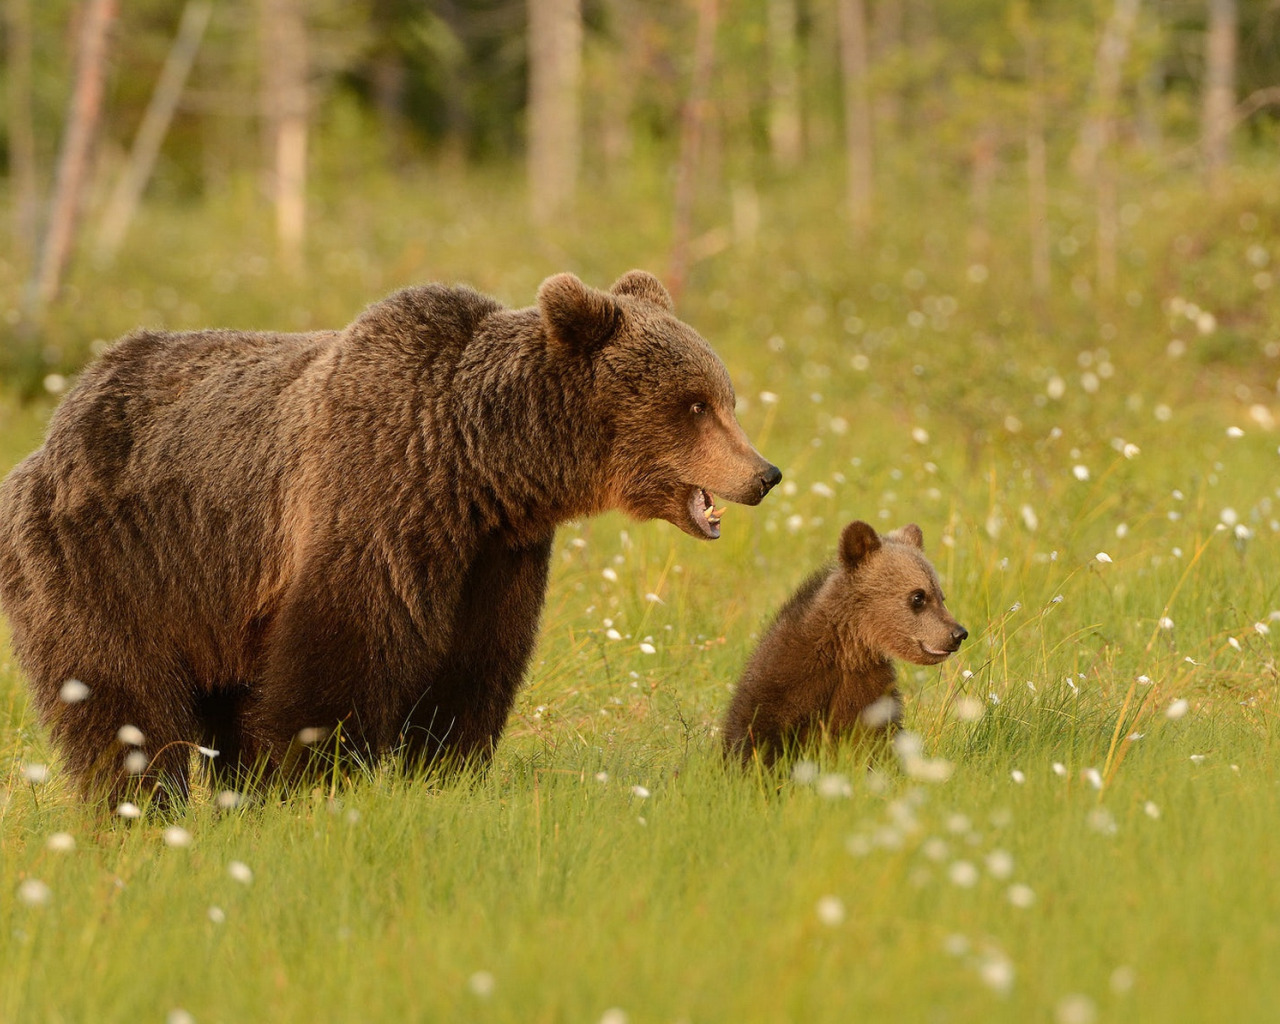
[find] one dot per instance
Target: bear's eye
(918, 600)
(698, 408)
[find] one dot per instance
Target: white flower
(1021, 896)
(1177, 709)
(997, 973)
(648, 648)
(609, 574)
(879, 712)
(217, 915)
(768, 398)
(653, 598)
(999, 863)
(179, 1016)
(33, 892)
(1166, 623)
(834, 786)
(60, 842)
(1075, 1009)
(613, 634)
(481, 984)
(135, 762)
(640, 791)
(831, 911)
(130, 735)
(1093, 777)
(1080, 472)
(1233, 642)
(804, 773)
(73, 692)
(35, 773)
(1018, 776)
(129, 810)
(1103, 557)
(1102, 821)
(177, 836)
(614, 1015)
(1234, 432)
(963, 874)
(207, 751)
(240, 871)
(1261, 628)
(229, 799)
(1059, 769)
(919, 435)
(1131, 451)
(968, 709)
(1152, 809)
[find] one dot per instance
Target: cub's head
(665, 399)
(894, 597)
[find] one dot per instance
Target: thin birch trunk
(555, 76)
(692, 128)
(858, 138)
(285, 107)
(73, 159)
(124, 200)
(1218, 109)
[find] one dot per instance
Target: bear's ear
(909, 534)
(640, 284)
(857, 541)
(580, 317)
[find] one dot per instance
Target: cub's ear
(857, 541)
(580, 317)
(640, 284)
(909, 534)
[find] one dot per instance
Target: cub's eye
(698, 408)
(918, 600)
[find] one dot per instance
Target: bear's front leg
(463, 707)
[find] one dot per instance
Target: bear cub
(823, 667)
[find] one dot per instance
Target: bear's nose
(959, 635)
(769, 479)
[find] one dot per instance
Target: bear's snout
(769, 479)
(958, 636)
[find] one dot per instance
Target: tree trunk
(73, 158)
(155, 124)
(1218, 110)
(858, 140)
(888, 21)
(555, 74)
(785, 140)
(1108, 65)
(692, 126)
(22, 141)
(285, 109)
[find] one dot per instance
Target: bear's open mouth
(704, 514)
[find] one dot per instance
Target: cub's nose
(769, 479)
(959, 635)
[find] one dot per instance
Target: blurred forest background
(169, 153)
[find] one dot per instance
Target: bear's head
(891, 593)
(665, 399)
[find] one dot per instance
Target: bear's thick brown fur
(825, 659)
(246, 540)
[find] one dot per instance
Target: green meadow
(1088, 833)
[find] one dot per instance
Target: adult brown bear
(248, 540)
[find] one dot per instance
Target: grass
(1066, 870)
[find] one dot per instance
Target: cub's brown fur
(826, 658)
(236, 538)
